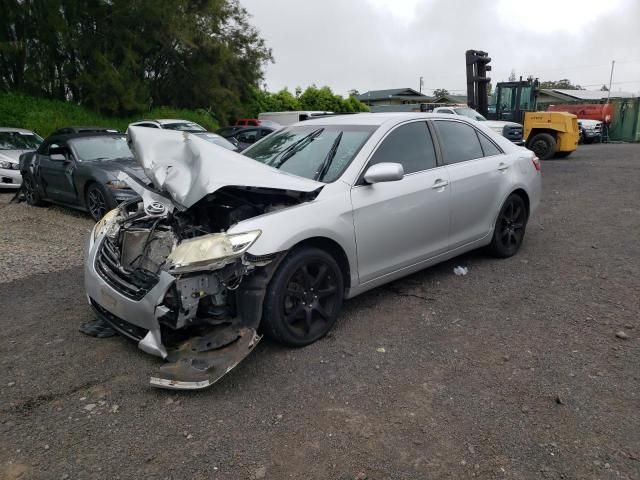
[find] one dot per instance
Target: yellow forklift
(547, 134)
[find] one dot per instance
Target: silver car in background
(13, 143)
(277, 238)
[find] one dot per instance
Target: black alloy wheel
(99, 201)
(31, 190)
(304, 297)
(510, 227)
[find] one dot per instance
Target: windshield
(101, 148)
(312, 151)
(184, 127)
(19, 141)
(217, 140)
(471, 113)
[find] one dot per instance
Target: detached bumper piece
(201, 361)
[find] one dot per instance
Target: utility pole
(421, 84)
(613, 62)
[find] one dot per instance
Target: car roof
(375, 119)
(10, 129)
(70, 136)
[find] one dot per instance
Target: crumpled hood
(188, 168)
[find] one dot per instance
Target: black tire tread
(549, 139)
(494, 247)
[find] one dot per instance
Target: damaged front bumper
(197, 356)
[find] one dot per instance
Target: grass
(43, 116)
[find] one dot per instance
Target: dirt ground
(513, 371)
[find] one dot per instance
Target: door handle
(503, 166)
(439, 184)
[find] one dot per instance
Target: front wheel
(99, 201)
(543, 145)
(510, 227)
(304, 297)
(30, 189)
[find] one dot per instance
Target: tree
(604, 88)
(353, 92)
(512, 76)
(440, 92)
(563, 84)
(120, 57)
(312, 98)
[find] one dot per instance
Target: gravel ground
(513, 371)
(39, 240)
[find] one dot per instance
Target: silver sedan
(227, 247)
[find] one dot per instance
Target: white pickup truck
(511, 130)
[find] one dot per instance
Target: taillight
(536, 163)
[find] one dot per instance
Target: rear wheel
(99, 201)
(30, 189)
(543, 145)
(304, 297)
(510, 227)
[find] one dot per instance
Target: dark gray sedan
(80, 171)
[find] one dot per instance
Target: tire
(98, 201)
(562, 154)
(30, 189)
(543, 145)
(304, 297)
(511, 224)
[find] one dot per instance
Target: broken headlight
(210, 251)
(104, 223)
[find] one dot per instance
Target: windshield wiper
(292, 149)
(326, 163)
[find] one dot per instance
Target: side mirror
(384, 172)
(57, 157)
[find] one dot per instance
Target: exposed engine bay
(210, 313)
(165, 270)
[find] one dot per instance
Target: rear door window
(459, 142)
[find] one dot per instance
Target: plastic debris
(460, 270)
(98, 328)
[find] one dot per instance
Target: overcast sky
(377, 44)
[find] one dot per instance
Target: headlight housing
(6, 164)
(210, 251)
(104, 223)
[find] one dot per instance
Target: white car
(13, 143)
(510, 130)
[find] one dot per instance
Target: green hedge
(44, 116)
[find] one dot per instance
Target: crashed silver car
(224, 247)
